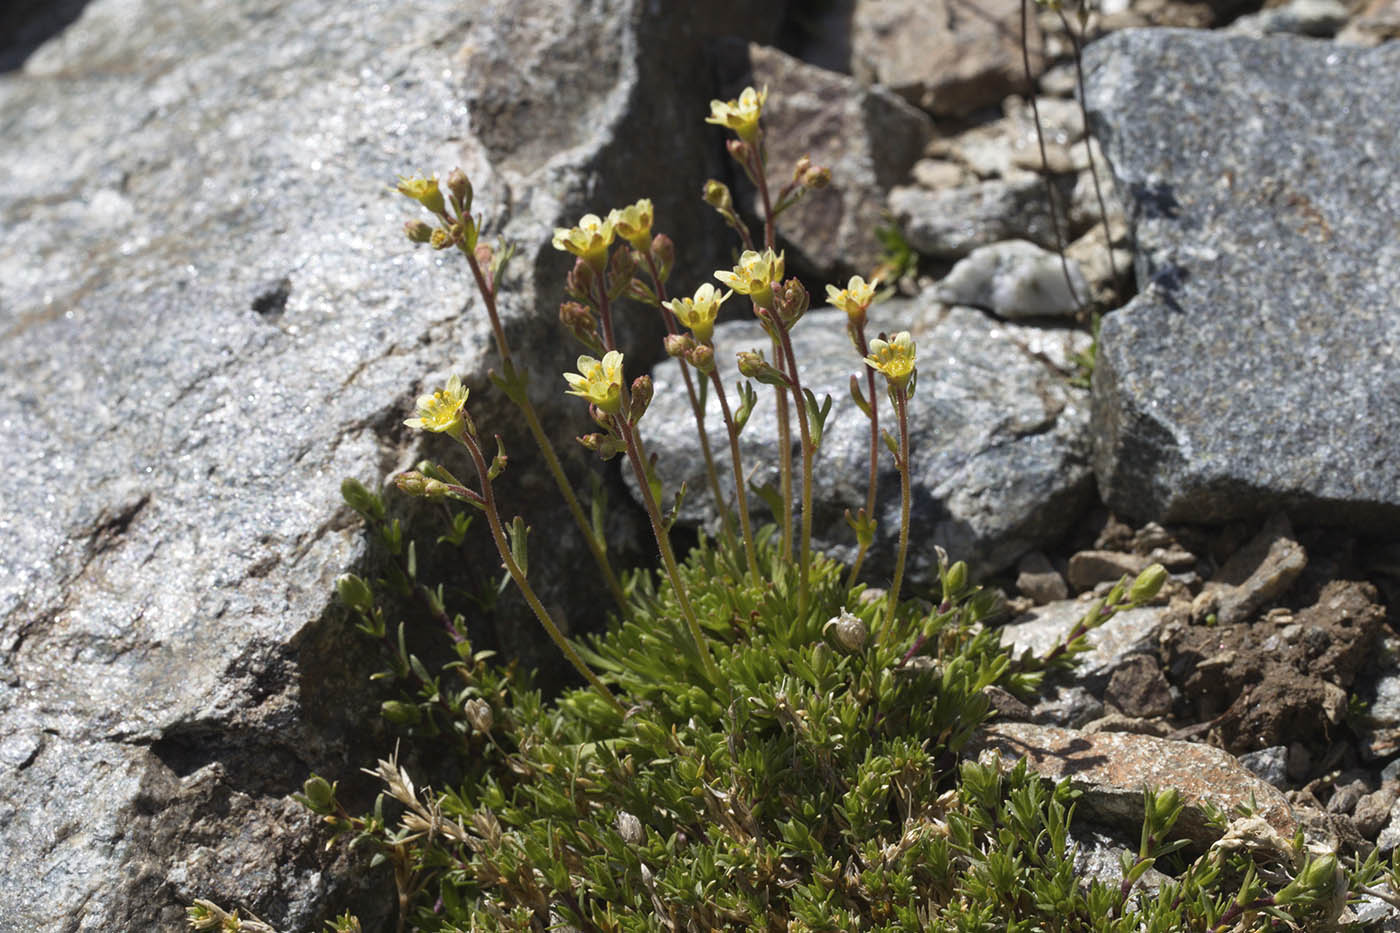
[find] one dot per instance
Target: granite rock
(1110, 769)
(997, 434)
(210, 317)
(1242, 162)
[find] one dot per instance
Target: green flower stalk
(855, 299)
(459, 228)
(699, 314)
(600, 382)
(894, 359)
(633, 223)
(444, 412)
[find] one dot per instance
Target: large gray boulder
(999, 437)
(210, 317)
(1257, 369)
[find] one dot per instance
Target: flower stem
(542, 441)
(784, 454)
(711, 471)
(804, 553)
(493, 518)
(740, 495)
(663, 543)
(863, 347)
(901, 407)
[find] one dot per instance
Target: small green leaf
(519, 545)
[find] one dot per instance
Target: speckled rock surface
(998, 435)
(1111, 769)
(208, 317)
(1257, 368)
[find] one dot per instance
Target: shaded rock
(1243, 161)
(1087, 569)
(1317, 18)
(210, 316)
(1111, 769)
(997, 435)
(1373, 810)
(1270, 763)
(867, 135)
(936, 174)
(1067, 705)
(1138, 688)
(1254, 576)
(1127, 632)
(1372, 23)
(1100, 270)
(1118, 722)
(947, 59)
(1038, 579)
(1380, 724)
(952, 223)
(1015, 279)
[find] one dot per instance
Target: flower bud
(663, 253)
(417, 231)
(816, 178)
(604, 445)
(739, 150)
(581, 279)
(399, 712)
(630, 829)
(440, 239)
(792, 301)
(478, 713)
(575, 316)
(319, 793)
(716, 194)
(415, 483)
(702, 358)
(1147, 584)
(754, 366)
(621, 268)
(484, 255)
(678, 344)
(800, 168)
(955, 579)
(354, 592)
(847, 631)
(642, 392)
(361, 499)
(461, 189)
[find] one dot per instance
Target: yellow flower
(441, 411)
(755, 276)
(740, 115)
(633, 224)
(855, 298)
(599, 381)
(589, 240)
(699, 313)
(423, 190)
(894, 358)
